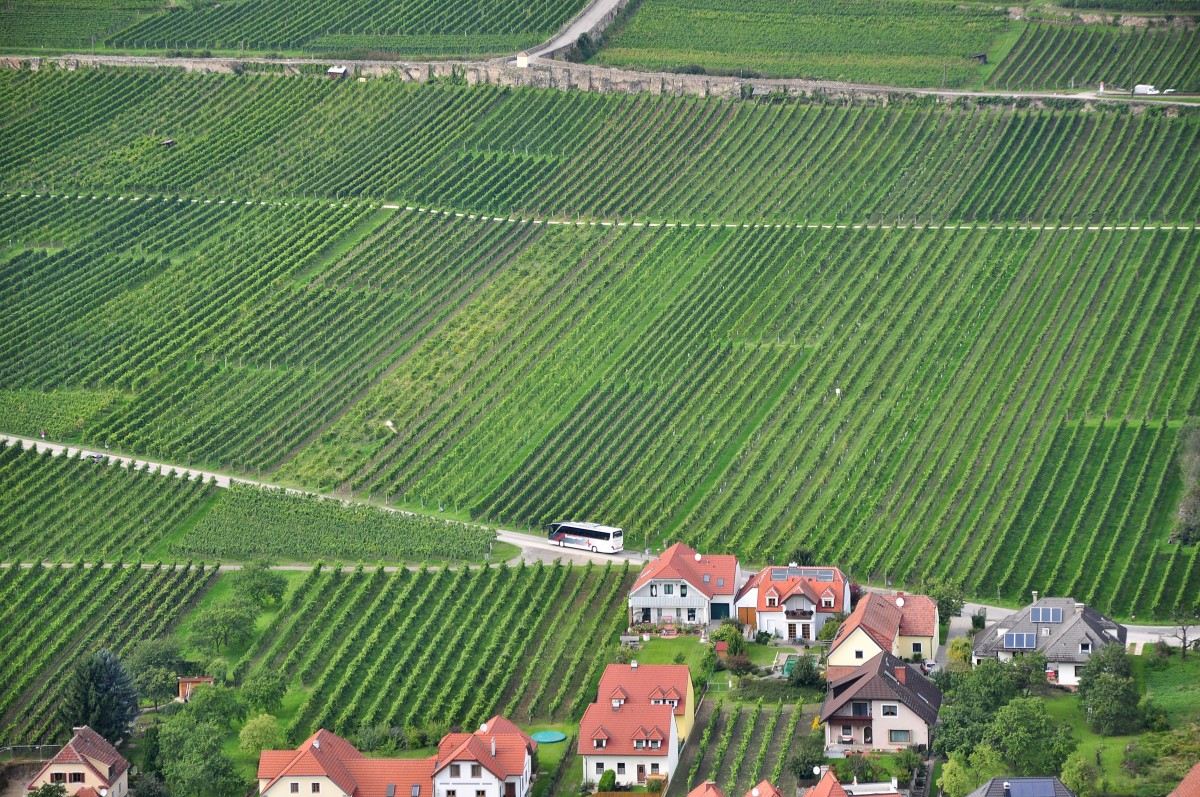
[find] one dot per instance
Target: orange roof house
(708, 788)
(634, 739)
(830, 786)
(902, 625)
(495, 760)
(188, 683)
(651, 684)
(88, 766)
(1190, 785)
(793, 602)
(683, 586)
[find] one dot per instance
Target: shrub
(608, 781)
(739, 664)
(763, 638)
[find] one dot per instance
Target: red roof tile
(374, 775)
(918, 616)
(1190, 785)
(623, 725)
(883, 620)
(680, 562)
(806, 585)
(510, 745)
(765, 788)
(827, 786)
(706, 789)
(85, 747)
(647, 682)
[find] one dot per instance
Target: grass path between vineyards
(532, 547)
(964, 226)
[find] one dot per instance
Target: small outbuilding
(188, 683)
(524, 59)
(336, 72)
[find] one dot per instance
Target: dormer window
(599, 744)
(668, 589)
(772, 601)
(618, 702)
(638, 744)
(826, 602)
(1085, 647)
(673, 703)
(683, 590)
(653, 590)
(655, 744)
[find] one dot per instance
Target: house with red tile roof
(494, 761)
(634, 740)
(685, 587)
(830, 786)
(652, 684)
(902, 625)
(88, 766)
(793, 602)
(1190, 785)
(883, 705)
(709, 788)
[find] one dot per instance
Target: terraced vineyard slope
(54, 615)
(1061, 56)
(466, 28)
(893, 42)
(456, 646)
(917, 339)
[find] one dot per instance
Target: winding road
(532, 546)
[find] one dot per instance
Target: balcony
(798, 614)
(851, 719)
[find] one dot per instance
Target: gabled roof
(764, 788)
(326, 754)
(827, 786)
(1044, 786)
(877, 680)
(1189, 786)
(322, 754)
(811, 582)
(623, 725)
(706, 789)
(511, 744)
(884, 619)
(682, 563)
(647, 682)
(85, 747)
(1079, 624)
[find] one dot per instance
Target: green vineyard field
(53, 616)
(545, 153)
(738, 745)
(464, 28)
(1059, 56)
(452, 646)
(893, 42)
(81, 510)
(917, 339)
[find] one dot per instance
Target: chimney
(901, 673)
(1007, 789)
(633, 664)
(1035, 596)
(316, 744)
(493, 747)
(895, 784)
(1079, 608)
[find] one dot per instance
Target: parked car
(929, 666)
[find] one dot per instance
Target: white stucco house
(633, 740)
(684, 587)
(793, 602)
(86, 766)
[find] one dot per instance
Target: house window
(599, 767)
(772, 601)
(889, 711)
(295, 788)
(451, 792)
(826, 603)
(656, 744)
(637, 744)
(621, 768)
(455, 771)
(691, 615)
(858, 654)
(600, 744)
(860, 709)
(668, 589)
(476, 771)
(1085, 647)
(653, 590)
(654, 769)
(660, 615)
(58, 777)
(720, 582)
(480, 793)
(707, 578)
(683, 590)
(847, 730)
(316, 788)
(918, 648)
(899, 737)
(76, 777)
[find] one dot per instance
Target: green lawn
(1064, 707)
(664, 651)
(1176, 687)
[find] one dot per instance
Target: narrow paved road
(587, 19)
(532, 546)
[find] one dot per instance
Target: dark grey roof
(876, 680)
(1047, 786)
(1060, 642)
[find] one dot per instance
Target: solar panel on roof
(1033, 787)
(779, 574)
(1046, 614)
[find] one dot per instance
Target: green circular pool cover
(546, 737)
